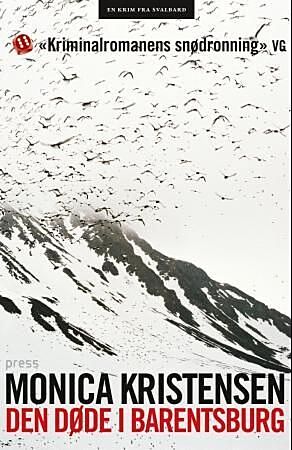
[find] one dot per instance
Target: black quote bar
(146, 9)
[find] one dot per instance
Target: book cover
(144, 224)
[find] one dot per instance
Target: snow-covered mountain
(94, 288)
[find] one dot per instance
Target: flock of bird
(132, 134)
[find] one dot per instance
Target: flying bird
(222, 197)
(59, 143)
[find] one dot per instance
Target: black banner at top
(146, 9)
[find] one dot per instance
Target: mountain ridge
(98, 262)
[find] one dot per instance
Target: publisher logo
(146, 9)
